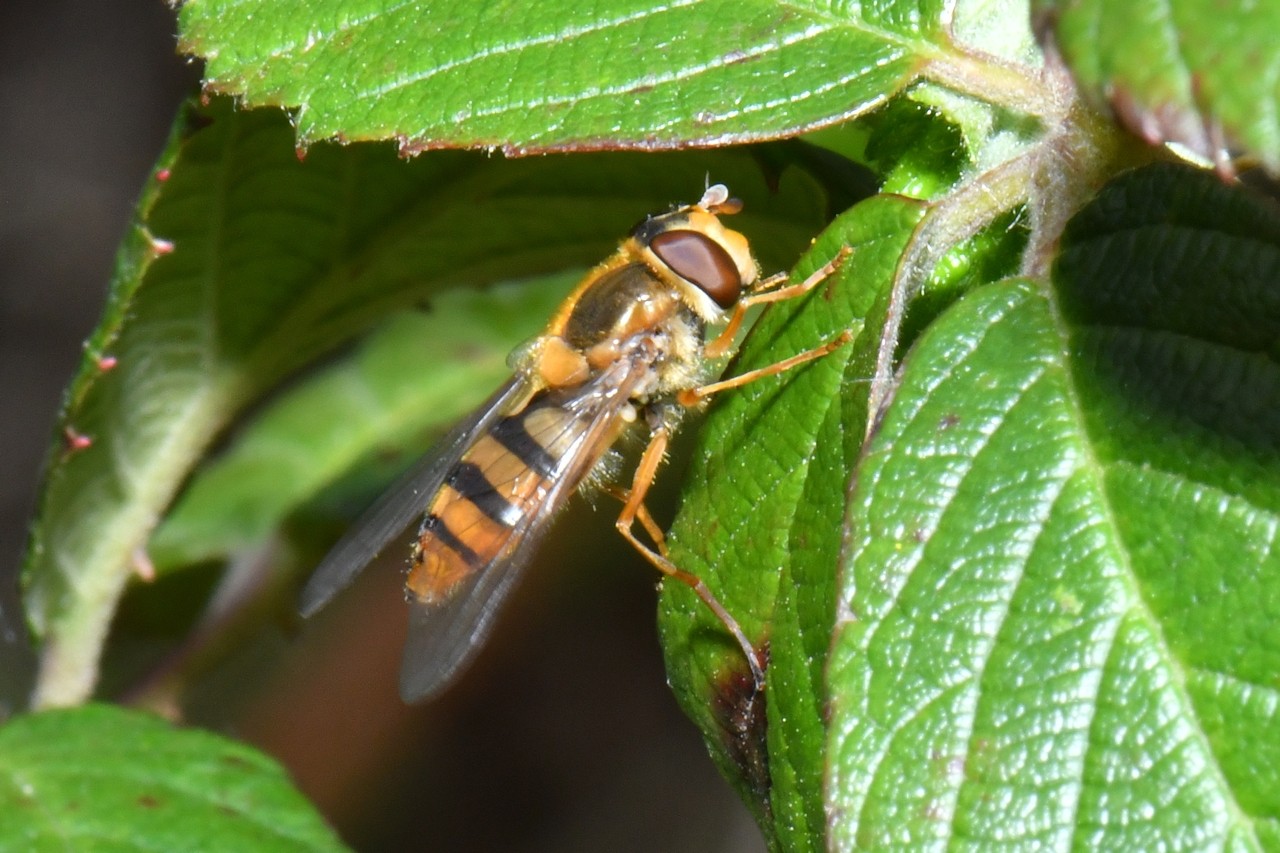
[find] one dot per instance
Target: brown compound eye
(699, 259)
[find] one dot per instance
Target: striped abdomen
(497, 492)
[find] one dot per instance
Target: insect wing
(402, 503)
(444, 637)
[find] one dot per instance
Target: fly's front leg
(723, 342)
(633, 508)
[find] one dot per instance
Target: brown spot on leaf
(739, 710)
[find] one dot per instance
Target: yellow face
(692, 250)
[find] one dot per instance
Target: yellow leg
(633, 509)
(642, 515)
(723, 342)
(694, 396)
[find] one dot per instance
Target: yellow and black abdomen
(497, 492)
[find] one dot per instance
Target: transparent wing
(444, 638)
(403, 503)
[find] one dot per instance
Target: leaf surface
(1196, 72)
(537, 76)
(763, 496)
(247, 264)
(102, 778)
(405, 385)
(1055, 622)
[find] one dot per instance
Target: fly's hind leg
(633, 509)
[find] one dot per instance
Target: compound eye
(695, 257)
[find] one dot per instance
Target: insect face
(693, 251)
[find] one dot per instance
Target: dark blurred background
(564, 736)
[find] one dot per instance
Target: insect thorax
(630, 313)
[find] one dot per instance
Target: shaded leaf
(918, 154)
(269, 262)
(406, 384)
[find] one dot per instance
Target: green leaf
(543, 76)
(101, 778)
(762, 512)
(1056, 621)
(762, 500)
(917, 153)
(1195, 72)
(260, 263)
(410, 380)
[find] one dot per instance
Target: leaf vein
(645, 81)
(536, 40)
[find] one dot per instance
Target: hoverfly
(627, 347)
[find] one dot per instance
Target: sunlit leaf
(537, 76)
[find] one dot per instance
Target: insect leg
(724, 341)
(693, 396)
(646, 520)
(634, 509)
(651, 527)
